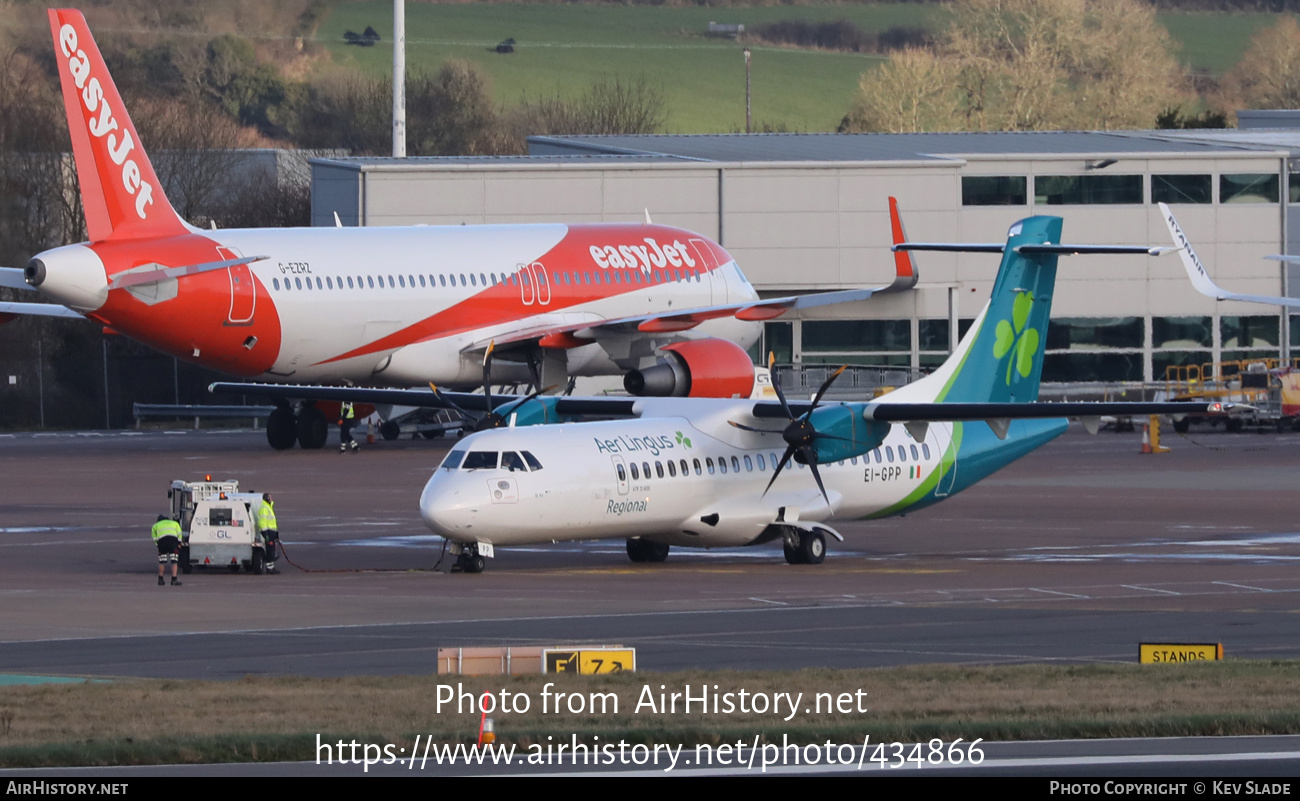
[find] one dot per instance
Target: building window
(1248, 188)
(993, 190)
(1071, 366)
(1252, 332)
(1182, 333)
(1094, 333)
(821, 336)
(1181, 189)
(1075, 190)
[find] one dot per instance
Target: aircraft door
(620, 473)
(541, 282)
(243, 292)
(710, 276)
(528, 293)
(940, 438)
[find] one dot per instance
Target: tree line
(1030, 65)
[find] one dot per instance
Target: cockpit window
(532, 461)
(480, 460)
(453, 460)
(513, 462)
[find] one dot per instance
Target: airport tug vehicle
(218, 526)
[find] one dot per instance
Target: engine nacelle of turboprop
(696, 368)
(533, 412)
(853, 436)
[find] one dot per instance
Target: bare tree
(609, 106)
(1268, 75)
(1027, 65)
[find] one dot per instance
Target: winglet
(905, 273)
(120, 192)
(1201, 278)
(1195, 270)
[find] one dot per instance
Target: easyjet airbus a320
(392, 306)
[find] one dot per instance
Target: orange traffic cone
(1146, 438)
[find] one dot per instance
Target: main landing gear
(639, 550)
(308, 428)
(804, 547)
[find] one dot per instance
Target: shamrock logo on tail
(1024, 341)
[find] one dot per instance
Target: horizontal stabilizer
(124, 280)
(952, 412)
(38, 310)
(13, 278)
(1036, 250)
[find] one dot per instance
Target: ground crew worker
(268, 528)
(347, 419)
(167, 536)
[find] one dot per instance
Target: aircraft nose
(446, 507)
(73, 275)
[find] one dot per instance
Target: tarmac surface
(1076, 553)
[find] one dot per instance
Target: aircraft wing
(573, 335)
(583, 333)
(424, 398)
(1201, 278)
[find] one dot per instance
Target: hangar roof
(879, 147)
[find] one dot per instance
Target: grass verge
(269, 719)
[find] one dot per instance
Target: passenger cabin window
(632, 467)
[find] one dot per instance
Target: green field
(563, 48)
(1213, 43)
(566, 47)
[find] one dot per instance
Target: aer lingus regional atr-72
(714, 473)
(668, 308)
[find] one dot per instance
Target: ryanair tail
(120, 192)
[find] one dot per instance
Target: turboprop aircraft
(709, 473)
(1201, 278)
(668, 308)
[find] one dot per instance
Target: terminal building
(809, 212)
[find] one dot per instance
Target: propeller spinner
(800, 435)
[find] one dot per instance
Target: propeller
(490, 418)
(799, 433)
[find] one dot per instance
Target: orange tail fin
(119, 189)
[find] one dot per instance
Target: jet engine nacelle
(697, 368)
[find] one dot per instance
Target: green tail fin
(1001, 358)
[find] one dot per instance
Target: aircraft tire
(812, 547)
(475, 564)
(312, 428)
(656, 551)
(792, 555)
(281, 429)
(636, 550)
